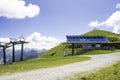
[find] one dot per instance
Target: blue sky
(58, 18)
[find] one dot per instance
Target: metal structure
(4, 47)
(83, 40)
(12, 44)
(86, 39)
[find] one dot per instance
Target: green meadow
(44, 61)
(55, 57)
(48, 60)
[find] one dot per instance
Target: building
(87, 42)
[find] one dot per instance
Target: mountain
(55, 52)
(59, 50)
(112, 37)
(28, 53)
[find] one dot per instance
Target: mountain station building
(86, 42)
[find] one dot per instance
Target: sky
(57, 18)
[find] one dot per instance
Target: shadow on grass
(92, 52)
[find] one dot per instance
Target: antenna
(13, 39)
(22, 38)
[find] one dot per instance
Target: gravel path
(58, 73)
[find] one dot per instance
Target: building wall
(91, 46)
(87, 39)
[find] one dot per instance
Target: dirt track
(58, 73)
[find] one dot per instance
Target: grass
(52, 58)
(108, 73)
(40, 63)
(112, 37)
(79, 51)
(102, 32)
(92, 52)
(58, 50)
(45, 61)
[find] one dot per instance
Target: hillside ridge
(112, 37)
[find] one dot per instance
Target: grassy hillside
(44, 61)
(58, 51)
(39, 63)
(48, 60)
(55, 52)
(112, 37)
(55, 57)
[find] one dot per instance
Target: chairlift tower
(12, 44)
(16, 42)
(22, 42)
(4, 46)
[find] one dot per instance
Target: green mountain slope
(112, 37)
(46, 60)
(57, 51)
(55, 56)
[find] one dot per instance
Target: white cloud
(17, 9)
(113, 21)
(95, 24)
(4, 39)
(118, 6)
(37, 41)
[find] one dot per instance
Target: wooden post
(22, 51)
(72, 49)
(13, 51)
(4, 55)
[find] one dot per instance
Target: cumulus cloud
(113, 21)
(4, 39)
(95, 24)
(118, 6)
(37, 42)
(17, 9)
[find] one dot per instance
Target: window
(87, 37)
(83, 37)
(70, 37)
(80, 37)
(94, 37)
(101, 37)
(77, 37)
(98, 37)
(90, 37)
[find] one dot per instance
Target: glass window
(94, 37)
(98, 37)
(87, 37)
(90, 37)
(101, 37)
(77, 37)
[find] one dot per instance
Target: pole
(22, 51)
(13, 56)
(72, 49)
(4, 55)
